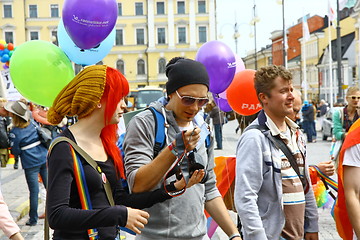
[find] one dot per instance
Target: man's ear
(263, 98)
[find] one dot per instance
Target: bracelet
(172, 148)
(234, 236)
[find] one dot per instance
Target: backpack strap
(279, 143)
(89, 160)
(159, 130)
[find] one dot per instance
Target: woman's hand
(197, 176)
(136, 219)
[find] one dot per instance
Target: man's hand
(311, 236)
(327, 168)
(191, 138)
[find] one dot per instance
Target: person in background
(217, 117)
(308, 120)
(327, 167)
(4, 135)
(313, 126)
(322, 110)
(273, 199)
(347, 207)
(345, 117)
(181, 217)
(25, 142)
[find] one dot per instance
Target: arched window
(120, 66)
(162, 64)
(140, 67)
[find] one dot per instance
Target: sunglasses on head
(188, 101)
(354, 97)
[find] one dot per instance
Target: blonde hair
(19, 121)
(351, 91)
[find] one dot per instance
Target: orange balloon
(241, 94)
(10, 46)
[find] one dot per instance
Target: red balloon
(2, 47)
(241, 94)
(10, 46)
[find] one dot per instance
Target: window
(7, 11)
(54, 10)
(161, 35)
(160, 8)
(181, 7)
(162, 65)
(34, 35)
(119, 9)
(201, 7)
(120, 66)
(54, 38)
(182, 35)
(33, 11)
(119, 37)
(139, 8)
(140, 67)
(9, 37)
(140, 36)
(202, 34)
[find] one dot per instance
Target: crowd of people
(169, 184)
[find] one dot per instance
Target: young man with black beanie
(181, 217)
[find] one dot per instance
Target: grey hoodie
(180, 217)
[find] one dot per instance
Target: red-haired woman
(95, 96)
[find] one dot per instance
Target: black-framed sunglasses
(188, 101)
(355, 97)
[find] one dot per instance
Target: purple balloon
(5, 66)
(222, 103)
(240, 66)
(220, 64)
(89, 22)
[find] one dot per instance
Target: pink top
(7, 223)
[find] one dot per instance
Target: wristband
(234, 236)
(172, 148)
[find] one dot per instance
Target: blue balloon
(1, 52)
(5, 58)
(6, 51)
(84, 56)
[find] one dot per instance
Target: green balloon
(40, 70)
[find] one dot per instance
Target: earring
(99, 105)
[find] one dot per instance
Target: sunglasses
(188, 101)
(354, 97)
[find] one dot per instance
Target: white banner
(7, 88)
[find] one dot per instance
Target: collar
(264, 119)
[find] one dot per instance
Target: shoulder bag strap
(90, 161)
(282, 146)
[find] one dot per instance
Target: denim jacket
(22, 137)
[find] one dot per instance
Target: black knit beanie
(184, 72)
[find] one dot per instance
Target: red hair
(116, 88)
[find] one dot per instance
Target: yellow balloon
(2, 41)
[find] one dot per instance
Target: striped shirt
(293, 191)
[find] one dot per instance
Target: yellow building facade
(148, 33)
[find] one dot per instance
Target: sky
(269, 13)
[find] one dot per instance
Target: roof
(345, 43)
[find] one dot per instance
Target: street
(14, 189)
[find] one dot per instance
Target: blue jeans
(307, 126)
(218, 135)
(31, 175)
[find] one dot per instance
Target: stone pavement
(14, 189)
